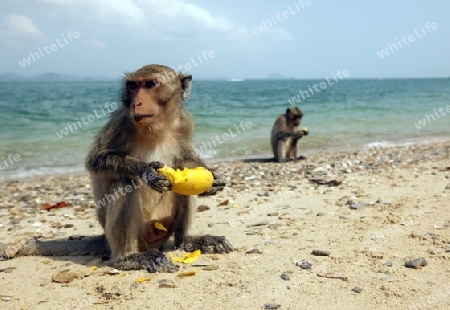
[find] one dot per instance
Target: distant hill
(52, 76)
(277, 76)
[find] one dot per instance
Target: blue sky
(312, 42)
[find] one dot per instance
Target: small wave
(36, 172)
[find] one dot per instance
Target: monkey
(285, 135)
(151, 128)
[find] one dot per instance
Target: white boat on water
(236, 80)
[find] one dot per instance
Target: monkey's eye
(132, 85)
(150, 84)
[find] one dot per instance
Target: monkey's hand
(217, 186)
(305, 131)
(155, 180)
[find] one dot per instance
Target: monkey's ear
(186, 81)
(288, 110)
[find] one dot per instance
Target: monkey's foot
(208, 244)
(152, 261)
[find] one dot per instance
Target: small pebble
(211, 267)
(285, 276)
(164, 283)
(416, 263)
(5, 298)
(304, 264)
(261, 223)
(335, 276)
(272, 306)
(388, 264)
(358, 205)
(64, 277)
(210, 224)
(272, 214)
(254, 251)
(320, 214)
(320, 253)
(357, 289)
(202, 208)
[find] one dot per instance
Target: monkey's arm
(117, 165)
(286, 134)
(123, 165)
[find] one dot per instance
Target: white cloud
(19, 26)
(160, 18)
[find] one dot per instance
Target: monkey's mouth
(139, 118)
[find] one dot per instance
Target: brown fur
(151, 129)
(285, 134)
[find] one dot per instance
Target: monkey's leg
(207, 244)
(181, 217)
(125, 228)
(294, 149)
(281, 151)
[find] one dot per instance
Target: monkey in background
(285, 135)
(151, 129)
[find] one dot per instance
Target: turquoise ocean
(348, 113)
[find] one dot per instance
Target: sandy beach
(330, 232)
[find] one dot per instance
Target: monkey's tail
(83, 246)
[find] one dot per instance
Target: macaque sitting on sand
(285, 135)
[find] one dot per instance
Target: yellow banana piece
(188, 181)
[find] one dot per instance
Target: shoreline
(265, 156)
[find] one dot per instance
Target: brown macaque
(285, 135)
(151, 129)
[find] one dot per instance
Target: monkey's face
(296, 120)
(143, 100)
(153, 93)
(294, 115)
